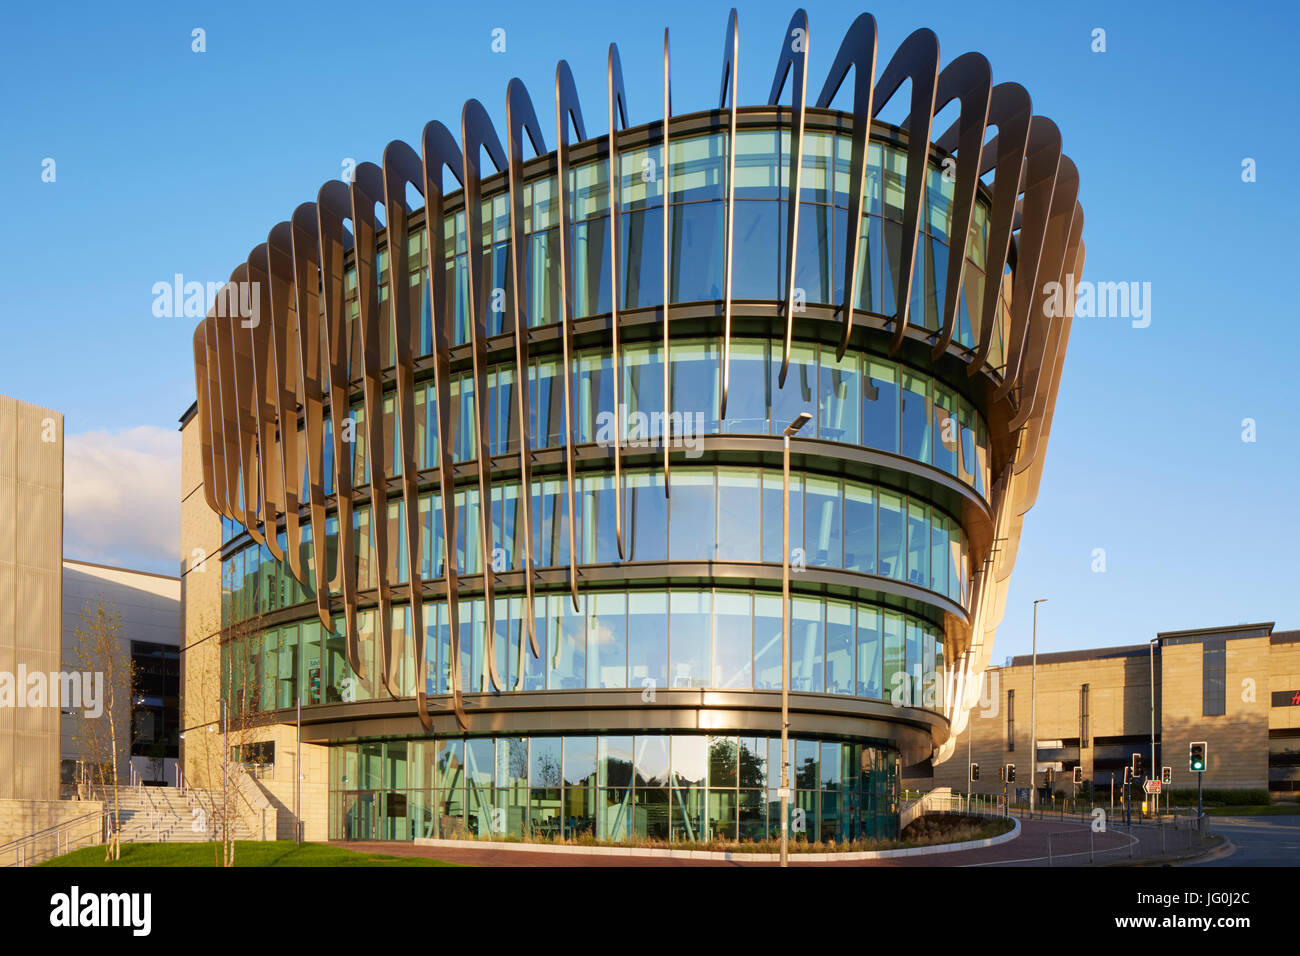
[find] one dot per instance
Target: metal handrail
(22, 844)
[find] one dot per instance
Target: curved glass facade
(862, 400)
(673, 788)
(675, 634)
(718, 639)
(696, 202)
(724, 514)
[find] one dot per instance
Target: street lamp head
(802, 419)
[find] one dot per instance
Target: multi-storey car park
(596, 378)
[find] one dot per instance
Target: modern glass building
(496, 442)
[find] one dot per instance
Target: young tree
(101, 649)
(222, 686)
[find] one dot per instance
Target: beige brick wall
(1284, 675)
(200, 564)
(200, 671)
(277, 784)
(1119, 690)
(1238, 739)
(20, 818)
(1119, 705)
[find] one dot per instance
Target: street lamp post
(297, 766)
(1033, 731)
(800, 421)
(1151, 655)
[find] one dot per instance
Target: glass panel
(651, 761)
(915, 662)
(690, 638)
(800, 391)
(733, 642)
(594, 413)
(895, 672)
(643, 391)
(568, 650)
(824, 523)
(647, 630)
(945, 430)
(691, 529)
(916, 417)
(767, 642)
(739, 501)
(748, 389)
(891, 536)
(918, 545)
(758, 247)
(839, 405)
(807, 646)
(938, 552)
(697, 238)
(840, 640)
(607, 640)
(698, 168)
(773, 506)
(599, 534)
(645, 524)
(535, 667)
(859, 528)
(690, 761)
(695, 388)
(869, 653)
(880, 407)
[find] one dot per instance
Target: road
(1258, 841)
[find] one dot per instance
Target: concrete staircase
(171, 815)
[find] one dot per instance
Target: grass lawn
(247, 853)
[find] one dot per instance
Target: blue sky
(171, 161)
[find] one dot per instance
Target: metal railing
(1174, 835)
(916, 804)
(56, 840)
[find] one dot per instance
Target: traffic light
(1137, 766)
(1166, 775)
(1011, 773)
(974, 772)
(1078, 775)
(1196, 753)
(1128, 776)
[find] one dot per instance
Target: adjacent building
(47, 691)
(1235, 688)
(149, 610)
(31, 581)
(484, 514)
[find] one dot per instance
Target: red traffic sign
(1152, 785)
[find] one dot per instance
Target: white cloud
(121, 498)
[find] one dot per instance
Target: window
(1011, 720)
(733, 642)
(1214, 677)
(690, 638)
(880, 407)
(1083, 716)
